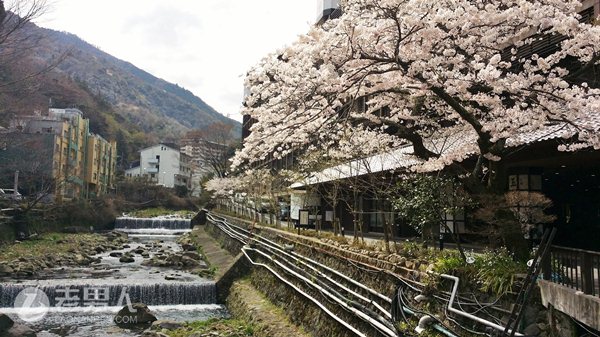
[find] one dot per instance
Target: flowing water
(127, 224)
(83, 301)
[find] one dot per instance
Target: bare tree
(30, 156)
(17, 43)
(17, 16)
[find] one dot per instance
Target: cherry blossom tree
(392, 72)
(223, 187)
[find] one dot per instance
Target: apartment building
(59, 145)
(101, 164)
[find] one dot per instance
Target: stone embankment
(299, 310)
(372, 267)
(254, 314)
(246, 302)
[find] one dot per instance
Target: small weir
(144, 224)
(98, 294)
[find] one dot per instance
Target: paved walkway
(217, 257)
(271, 321)
(244, 300)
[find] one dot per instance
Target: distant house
(163, 164)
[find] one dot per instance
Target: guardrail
(574, 268)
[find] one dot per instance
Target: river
(83, 300)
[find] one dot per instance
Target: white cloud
(205, 46)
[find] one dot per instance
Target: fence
(574, 268)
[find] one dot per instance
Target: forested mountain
(122, 101)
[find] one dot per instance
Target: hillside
(122, 101)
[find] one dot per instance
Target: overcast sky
(205, 46)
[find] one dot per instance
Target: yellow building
(71, 138)
(100, 165)
(83, 164)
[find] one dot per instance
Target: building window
(455, 222)
(525, 181)
(379, 212)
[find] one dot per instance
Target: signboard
(512, 182)
(523, 182)
(303, 217)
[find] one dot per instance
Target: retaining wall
(301, 310)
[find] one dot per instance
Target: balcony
(571, 283)
(153, 161)
(148, 170)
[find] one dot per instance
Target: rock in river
(137, 314)
(5, 323)
(18, 330)
(127, 259)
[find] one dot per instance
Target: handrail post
(586, 273)
(547, 265)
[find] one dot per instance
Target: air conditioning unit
(325, 9)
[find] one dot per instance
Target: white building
(164, 165)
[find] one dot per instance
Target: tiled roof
(457, 146)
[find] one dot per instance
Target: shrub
(497, 270)
(413, 249)
(492, 271)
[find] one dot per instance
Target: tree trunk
(456, 240)
(386, 235)
(334, 220)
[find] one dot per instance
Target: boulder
(188, 247)
(169, 325)
(115, 254)
(189, 262)
(5, 270)
(63, 330)
(138, 314)
(19, 330)
(174, 258)
(126, 259)
(81, 260)
(193, 255)
(116, 236)
(5, 323)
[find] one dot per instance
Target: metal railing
(574, 268)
